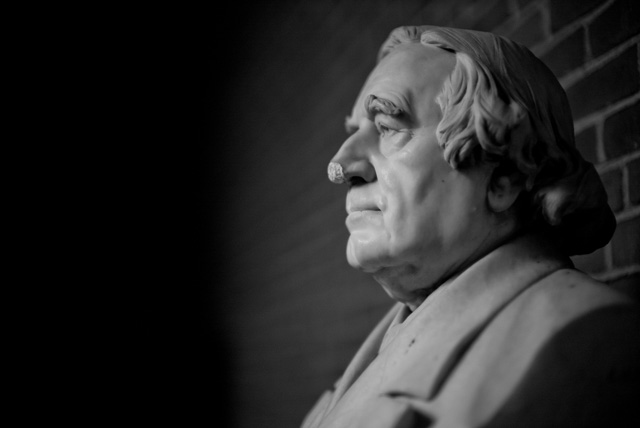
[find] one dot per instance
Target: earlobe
(503, 191)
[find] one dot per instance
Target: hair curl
(503, 105)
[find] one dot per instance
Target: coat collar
(420, 349)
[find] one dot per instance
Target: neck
(412, 283)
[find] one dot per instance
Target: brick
(612, 181)
(590, 263)
(586, 144)
(616, 80)
(529, 32)
(622, 132)
(625, 243)
(567, 55)
(564, 12)
(629, 285)
(614, 25)
(634, 181)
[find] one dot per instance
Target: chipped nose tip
(336, 173)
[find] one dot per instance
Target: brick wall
(292, 310)
(600, 75)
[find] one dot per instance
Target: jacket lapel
(367, 352)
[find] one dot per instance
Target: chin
(364, 257)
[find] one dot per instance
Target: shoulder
(566, 349)
(567, 295)
(591, 322)
(575, 315)
(569, 315)
(586, 363)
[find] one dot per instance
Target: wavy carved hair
(503, 105)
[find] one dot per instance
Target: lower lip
(367, 216)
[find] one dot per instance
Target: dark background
(245, 308)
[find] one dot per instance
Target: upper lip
(358, 200)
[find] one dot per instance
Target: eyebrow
(374, 104)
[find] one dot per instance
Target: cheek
(432, 210)
(413, 201)
(417, 181)
(461, 204)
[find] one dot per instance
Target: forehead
(411, 76)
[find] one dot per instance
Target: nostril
(354, 174)
(356, 181)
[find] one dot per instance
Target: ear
(504, 188)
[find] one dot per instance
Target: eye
(392, 139)
(384, 130)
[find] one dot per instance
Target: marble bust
(466, 197)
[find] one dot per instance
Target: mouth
(359, 202)
(356, 210)
(360, 213)
(357, 219)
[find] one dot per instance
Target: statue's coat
(518, 339)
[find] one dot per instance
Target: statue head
(459, 141)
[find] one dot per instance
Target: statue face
(413, 219)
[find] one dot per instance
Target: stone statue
(466, 198)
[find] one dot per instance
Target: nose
(352, 164)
